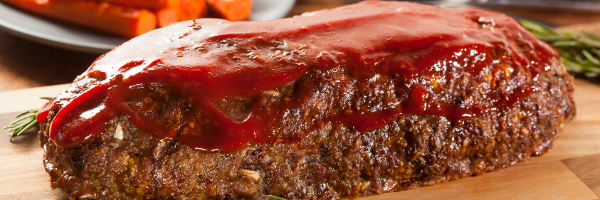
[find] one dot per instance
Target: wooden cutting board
(571, 170)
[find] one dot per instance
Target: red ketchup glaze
(209, 60)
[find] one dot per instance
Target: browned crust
(330, 162)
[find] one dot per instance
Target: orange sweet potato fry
(123, 21)
(192, 9)
(167, 16)
(233, 10)
(150, 4)
(186, 10)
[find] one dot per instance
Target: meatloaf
(359, 100)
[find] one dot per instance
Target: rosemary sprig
(274, 197)
(579, 52)
(24, 122)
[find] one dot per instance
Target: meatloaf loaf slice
(360, 100)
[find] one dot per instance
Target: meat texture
(360, 100)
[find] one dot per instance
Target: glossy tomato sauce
(207, 61)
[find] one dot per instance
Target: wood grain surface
(571, 170)
(587, 169)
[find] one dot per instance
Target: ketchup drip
(208, 61)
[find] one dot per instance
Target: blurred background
(28, 58)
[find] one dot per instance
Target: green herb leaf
(579, 53)
(24, 122)
(274, 197)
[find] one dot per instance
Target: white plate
(64, 35)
